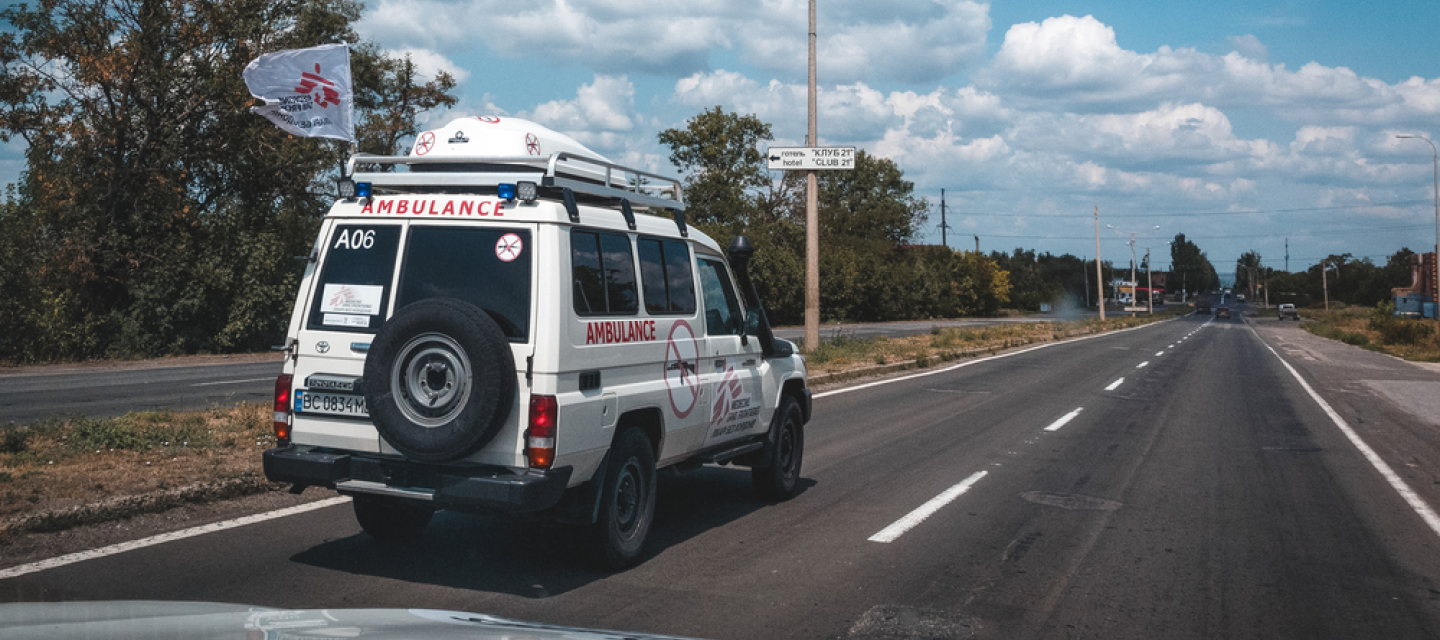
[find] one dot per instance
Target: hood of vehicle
(206, 620)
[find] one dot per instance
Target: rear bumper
(443, 486)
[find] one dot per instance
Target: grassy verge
(60, 473)
(842, 353)
(1376, 329)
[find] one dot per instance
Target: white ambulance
(504, 320)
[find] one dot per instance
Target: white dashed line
(122, 547)
(1159, 353)
(890, 533)
(1115, 385)
(1142, 364)
(1055, 426)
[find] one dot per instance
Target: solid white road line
(209, 384)
(1142, 364)
(1413, 499)
(976, 361)
(1055, 426)
(60, 561)
(1115, 385)
(890, 533)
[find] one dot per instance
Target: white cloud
(916, 40)
(1074, 64)
(601, 116)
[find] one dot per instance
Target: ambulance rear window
(488, 267)
(354, 286)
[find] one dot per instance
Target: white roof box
(476, 154)
(497, 137)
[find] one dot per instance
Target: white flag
(306, 91)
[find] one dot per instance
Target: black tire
(439, 380)
(391, 520)
(627, 502)
(779, 478)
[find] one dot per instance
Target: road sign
(811, 158)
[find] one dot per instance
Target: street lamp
(1134, 284)
(1435, 158)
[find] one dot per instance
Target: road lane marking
(976, 361)
(1115, 385)
(1055, 426)
(1159, 353)
(209, 384)
(1413, 499)
(1142, 364)
(60, 561)
(899, 527)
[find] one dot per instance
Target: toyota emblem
(322, 346)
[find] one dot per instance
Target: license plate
(335, 404)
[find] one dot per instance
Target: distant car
(1287, 310)
(1239, 297)
(1222, 312)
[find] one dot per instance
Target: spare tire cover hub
(431, 379)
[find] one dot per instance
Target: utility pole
(1133, 281)
(943, 226)
(1099, 279)
(812, 217)
(1149, 284)
(977, 245)
(1325, 285)
(1287, 255)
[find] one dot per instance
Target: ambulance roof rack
(578, 173)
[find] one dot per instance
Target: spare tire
(439, 380)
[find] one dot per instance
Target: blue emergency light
(362, 189)
(507, 191)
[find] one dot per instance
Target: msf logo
(322, 91)
(342, 296)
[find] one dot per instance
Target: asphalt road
(38, 393)
(111, 391)
(1198, 492)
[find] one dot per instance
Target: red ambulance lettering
(619, 332)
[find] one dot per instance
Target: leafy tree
(1190, 269)
(163, 215)
(720, 153)
(867, 218)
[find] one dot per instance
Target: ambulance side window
(666, 277)
(722, 308)
(603, 273)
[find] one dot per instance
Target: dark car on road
(1222, 312)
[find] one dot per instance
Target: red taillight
(540, 437)
(282, 407)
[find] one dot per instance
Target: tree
(720, 154)
(1190, 269)
(165, 216)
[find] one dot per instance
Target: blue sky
(1237, 123)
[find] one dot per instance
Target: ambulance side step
(726, 455)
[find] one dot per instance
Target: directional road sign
(811, 158)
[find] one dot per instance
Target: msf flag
(306, 91)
